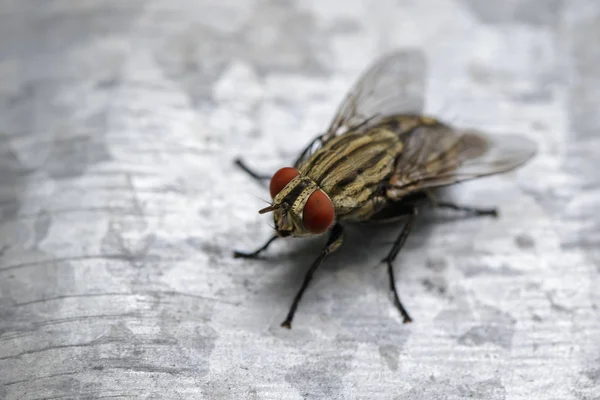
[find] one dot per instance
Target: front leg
(256, 253)
(333, 243)
(299, 160)
(255, 175)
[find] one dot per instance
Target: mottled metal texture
(120, 205)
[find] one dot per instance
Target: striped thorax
(344, 180)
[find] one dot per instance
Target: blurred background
(120, 204)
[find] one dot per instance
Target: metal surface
(120, 204)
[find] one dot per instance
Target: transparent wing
(440, 155)
(393, 84)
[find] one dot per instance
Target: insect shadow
(360, 259)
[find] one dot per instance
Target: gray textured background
(119, 204)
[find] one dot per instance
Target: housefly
(379, 160)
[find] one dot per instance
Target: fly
(379, 160)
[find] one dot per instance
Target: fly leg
(259, 177)
(389, 259)
(493, 212)
(307, 149)
(256, 253)
(333, 243)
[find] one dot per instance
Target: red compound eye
(318, 212)
(281, 178)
